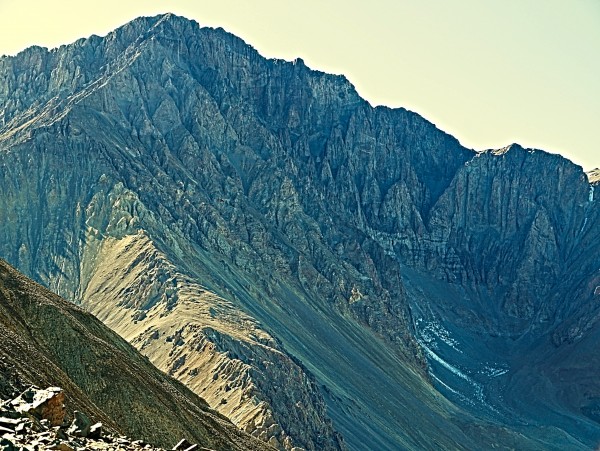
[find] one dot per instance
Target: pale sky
(490, 72)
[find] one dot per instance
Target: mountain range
(326, 274)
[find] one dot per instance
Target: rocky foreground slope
(304, 261)
(37, 419)
(47, 341)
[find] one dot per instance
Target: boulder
(80, 426)
(45, 404)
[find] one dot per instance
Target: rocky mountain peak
(261, 232)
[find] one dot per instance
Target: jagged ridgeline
(324, 273)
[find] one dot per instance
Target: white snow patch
(446, 365)
(591, 197)
(479, 395)
(430, 336)
(492, 371)
(441, 382)
(434, 330)
(584, 224)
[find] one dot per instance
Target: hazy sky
(490, 72)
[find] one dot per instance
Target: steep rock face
(521, 228)
(209, 129)
(215, 174)
(516, 222)
(48, 340)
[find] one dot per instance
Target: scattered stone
(10, 423)
(123, 441)
(62, 447)
(182, 445)
(26, 424)
(60, 433)
(20, 428)
(42, 404)
(95, 431)
(80, 427)
(9, 412)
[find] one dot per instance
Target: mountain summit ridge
(260, 232)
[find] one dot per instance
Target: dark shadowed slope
(47, 341)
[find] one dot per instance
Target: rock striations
(310, 265)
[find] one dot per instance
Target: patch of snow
(478, 389)
(493, 371)
(430, 335)
(584, 224)
(591, 196)
(446, 386)
(433, 331)
(449, 367)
